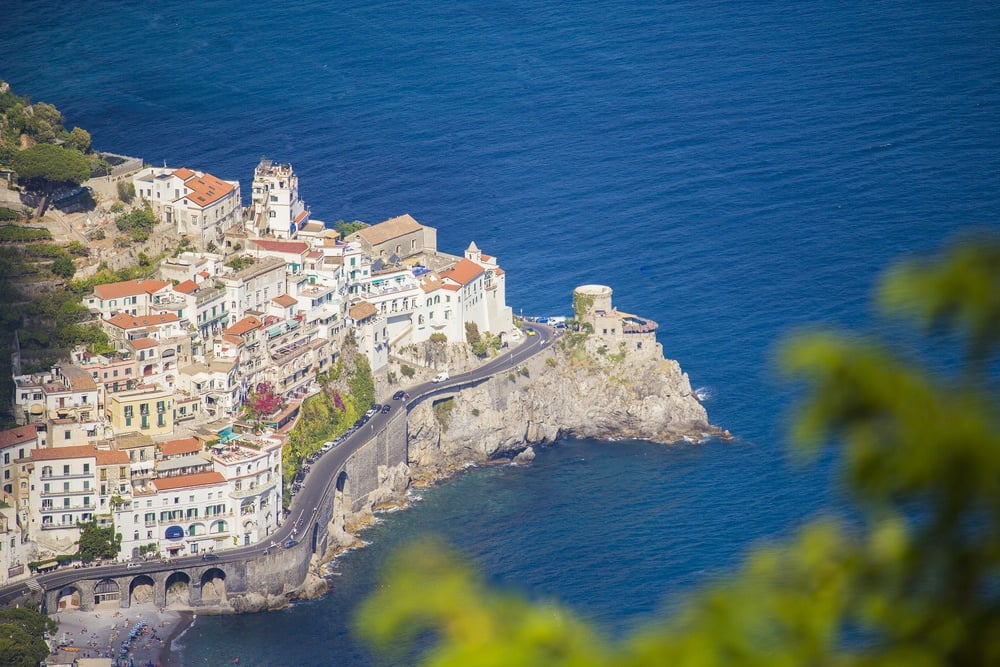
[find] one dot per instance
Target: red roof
(186, 287)
(125, 321)
(128, 288)
(361, 310)
(181, 446)
(17, 436)
(189, 481)
(290, 247)
(144, 343)
(206, 190)
(111, 457)
(243, 326)
(463, 273)
(72, 452)
(183, 173)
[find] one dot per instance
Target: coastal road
(322, 474)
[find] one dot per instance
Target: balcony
(254, 491)
(61, 492)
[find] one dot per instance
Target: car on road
(371, 413)
(209, 556)
(386, 408)
(327, 446)
(398, 396)
(133, 565)
(531, 332)
(289, 543)
(440, 377)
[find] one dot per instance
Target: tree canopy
(50, 164)
(21, 642)
(912, 582)
(97, 542)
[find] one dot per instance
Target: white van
(440, 377)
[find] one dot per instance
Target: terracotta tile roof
(361, 311)
(463, 272)
(17, 436)
(125, 321)
(181, 446)
(290, 247)
(111, 457)
(451, 287)
(144, 343)
(314, 255)
(186, 287)
(246, 324)
(183, 173)
(235, 340)
(78, 379)
(284, 300)
(189, 481)
(72, 452)
(301, 215)
(430, 282)
(390, 229)
(206, 190)
(128, 288)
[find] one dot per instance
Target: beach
(101, 634)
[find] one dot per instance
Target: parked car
(386, 408)
(208, 555)
(440, 377)
(133, 565)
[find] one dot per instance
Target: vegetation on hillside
(345, 229)
(348, 391)
(913, 581)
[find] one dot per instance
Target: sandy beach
(101, 634)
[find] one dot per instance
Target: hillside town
(152, 439)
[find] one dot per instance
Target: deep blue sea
(734, 170)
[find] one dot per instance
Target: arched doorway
(213, 586)
(107, 594)
(177, 589)
(140, 591)
(69, 598)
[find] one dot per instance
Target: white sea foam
(703, 393)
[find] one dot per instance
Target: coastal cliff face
(572, 389)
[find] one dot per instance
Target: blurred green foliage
(914, 582)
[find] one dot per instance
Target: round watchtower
(590, 300)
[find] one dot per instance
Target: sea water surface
(734, 170)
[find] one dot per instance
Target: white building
(250, 290)
(203, 207)
(276, 209)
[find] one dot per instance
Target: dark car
(209, 556)
(289, 543)
(398, 396)
(386, 408)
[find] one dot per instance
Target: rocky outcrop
(568, 390)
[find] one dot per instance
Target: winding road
(322, 474)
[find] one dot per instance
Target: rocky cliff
(575, 388)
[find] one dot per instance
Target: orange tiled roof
(17, 436)
(248, 323)
(183, 173)
(128, 288)
(189, 481)
(284, 300)
(463, 272)
(72, 452)
(362, 310)
(111, 457)
(181, 446)
(230, 338)
(125, 321)
(144, 343)
(186, 287)
(291, 247)
(206, 190)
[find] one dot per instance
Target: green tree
(126, 191)
(21, 642)
(97, 542)
(912, 582)
(78, 139)
(63, 267)
(46, 166)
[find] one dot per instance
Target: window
(129, 411)
(86, 485)
(86, 468)
(45, 488)
(66, 469)
(67, 434)
(66, 487)
(65, 502)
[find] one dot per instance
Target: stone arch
(69, 598)
(107, 594)
(177, 589)
(141, 590)
(213, 585)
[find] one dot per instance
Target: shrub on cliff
(912, 582)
